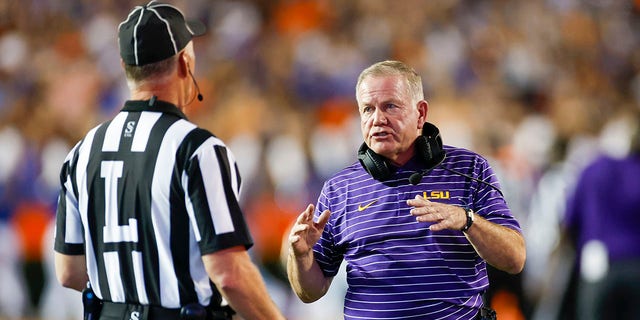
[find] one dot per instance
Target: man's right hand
(305, 276)
(305, 232)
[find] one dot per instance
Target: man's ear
(183, 65)
(423, 109)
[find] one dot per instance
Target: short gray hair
(393, 68)
(150, 71)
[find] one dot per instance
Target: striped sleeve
(488, 202)
(69, 236)
(325, 251)
(213, 185)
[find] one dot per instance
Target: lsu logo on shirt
(435, 194)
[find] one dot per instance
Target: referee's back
(137, 183)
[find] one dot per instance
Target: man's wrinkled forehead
(385, 87)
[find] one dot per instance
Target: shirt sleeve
(69, 236)
(488, 201)
(328, 256)
(213, 183)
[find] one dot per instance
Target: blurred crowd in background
(538, 87)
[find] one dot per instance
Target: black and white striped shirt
(143, 196)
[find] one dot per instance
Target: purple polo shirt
(396, 267)
(605, 206)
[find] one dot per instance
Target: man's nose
(379, 118)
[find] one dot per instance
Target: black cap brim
(196, 27)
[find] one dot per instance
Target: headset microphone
(196, 84)
(415, 178)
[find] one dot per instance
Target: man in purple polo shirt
(602, 220)
(415, 221)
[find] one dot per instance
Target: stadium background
(538, 87)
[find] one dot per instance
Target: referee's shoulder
(200, 131)
(203, 133)
(199, 136)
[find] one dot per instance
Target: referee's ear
(183, 65)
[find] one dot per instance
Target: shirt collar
(415, 163)
(156, 106)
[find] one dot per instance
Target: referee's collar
(155, 106)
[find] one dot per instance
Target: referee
(148, 210)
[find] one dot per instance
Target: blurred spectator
(601, 220)
(58, 303)
(549, 262)
(13, 299)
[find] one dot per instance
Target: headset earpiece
(377, 166)
(428, 148)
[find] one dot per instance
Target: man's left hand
(443, 216)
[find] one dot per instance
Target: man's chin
(385, 152)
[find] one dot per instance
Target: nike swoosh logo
(361, 207)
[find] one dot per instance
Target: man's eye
(392, 108)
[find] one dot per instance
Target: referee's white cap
(154, 32)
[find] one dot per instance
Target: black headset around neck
(428, 147)
(429, 150)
